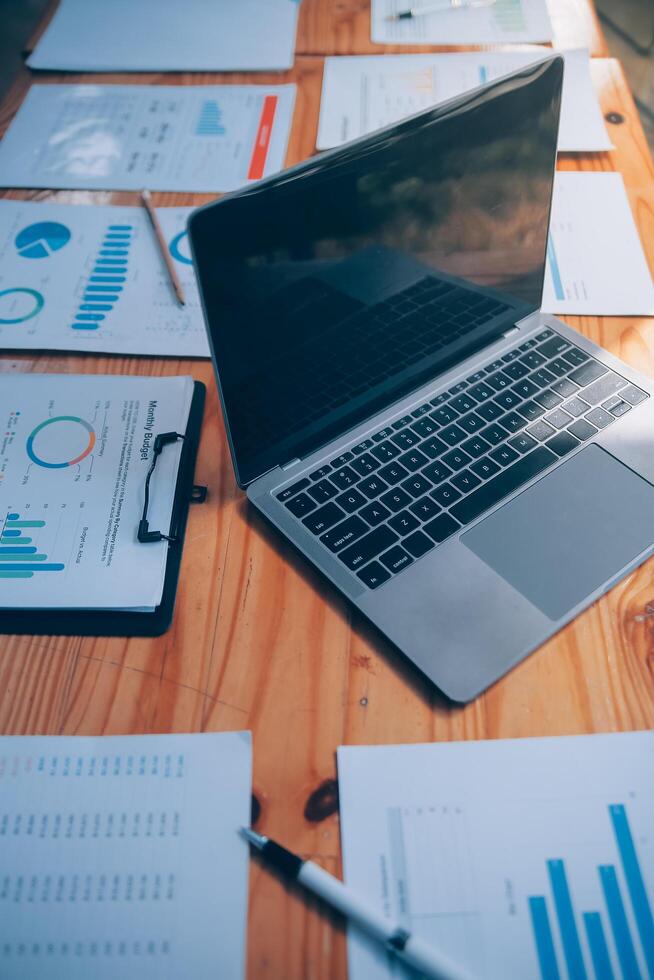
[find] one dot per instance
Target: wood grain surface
(259, 641)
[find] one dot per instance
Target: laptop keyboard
(387, 501)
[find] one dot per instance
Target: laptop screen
(339, 286)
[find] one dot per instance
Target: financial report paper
(92, 278)
(205, 138)
(595, 260)
(524, 858)
(166, 35)
(74, 454)
(120, 857)
(498, 23)
(362, 93)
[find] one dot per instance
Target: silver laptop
(469, 472)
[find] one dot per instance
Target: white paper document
(204, 138)
(595, 261)
(523, 858)
(81, 277)
(169, 35)
(498, 23)
(74, 454)
(120, 857)
(366, 92)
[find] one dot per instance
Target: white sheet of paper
(121, 858)
(596, 265)
(204, 138)
(100, 279)
(166, 35)
(468, 844)
(366, 92)
(74, 453)
(502, 22)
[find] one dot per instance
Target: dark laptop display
(333, 296)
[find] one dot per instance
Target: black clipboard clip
(197, 496)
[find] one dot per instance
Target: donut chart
(175, 250)
(22, 303)
(62, 436)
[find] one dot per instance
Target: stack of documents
(166, 35)
(121, 857)
(365, 92)
(80, 277)
(74, 455)
(595, 261)
(502, 22)
(529, 858)
(205, 138)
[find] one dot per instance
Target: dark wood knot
(614, 117)
(322, 802)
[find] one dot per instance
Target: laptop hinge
(289, 465)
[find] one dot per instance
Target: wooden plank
(326, 27)
(260, 642)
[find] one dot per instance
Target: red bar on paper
(262, 142)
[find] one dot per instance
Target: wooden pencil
(146, 199)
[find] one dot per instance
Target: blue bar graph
(598, 949)
(566, 917)
(55, 567)
(557, 282)
(103, 288)
(635, 883)
(619, 924)
(11, 534)
(540, 922)
(17, 551)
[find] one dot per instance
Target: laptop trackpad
(567, 535)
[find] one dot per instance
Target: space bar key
(495, 490)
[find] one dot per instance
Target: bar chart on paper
(510, 865)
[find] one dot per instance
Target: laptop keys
(301, 505)
(289, 492)
(418, 544)
(324, 490)
(403, 523)
(441, 528)
(373, 575)
(344, 477)
(324, 518)
(375, 513)
(588, 372)
(562, 443)
(414, 460)
(425, 508)
(365, 464)
(396, 559)
(350, 501)
(582, 429)
(501, 486)
(385, 451)
(396, 499)
(372, 487)
(392, 473)
(371, 545)
(344, 533)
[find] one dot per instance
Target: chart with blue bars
(107, 279)
(616, 949)
(19, 553)
(210, 121)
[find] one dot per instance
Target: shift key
(377, 541)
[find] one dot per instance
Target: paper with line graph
(521, 858)
(74, 454)
(362, 93)
(209, 138)
(496, 23)
(595, 261)
(87, 278)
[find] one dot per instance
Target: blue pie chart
(40, 240)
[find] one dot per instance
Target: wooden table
(260, 642)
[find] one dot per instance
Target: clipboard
(90, 622)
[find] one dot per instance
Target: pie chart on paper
(40, 240)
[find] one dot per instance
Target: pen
(433, 8)
(146, 198)
(411, 949)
